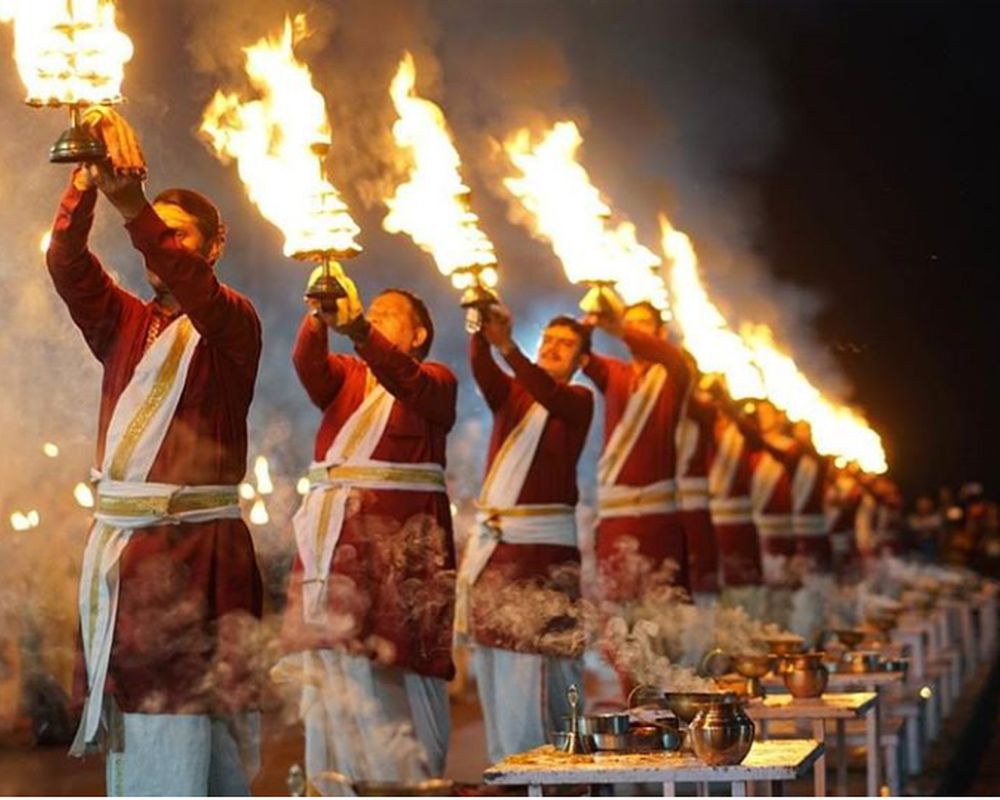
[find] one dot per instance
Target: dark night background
(882, 196)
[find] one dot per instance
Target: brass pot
(786, 645)
(861, 661)
(753, 667)
(806, 675)
(721, 734)
(850, 637)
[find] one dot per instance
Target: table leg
(669, 790)
(871, 747)
(913, 744)
(751, 788)
(842, 758)
(701, 789)
(819, 767)
(534, 790)
(739, 789)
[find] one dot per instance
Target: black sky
(882, 196)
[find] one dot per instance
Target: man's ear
(213, 252)
(419, 337)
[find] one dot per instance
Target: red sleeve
(598, 369)
(321, 374)
(493, 382)
(222, 315)
(574, 404)
(429, 389)
(94, 300)
(660, 351)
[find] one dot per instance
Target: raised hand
(498, 327)
(124, 152)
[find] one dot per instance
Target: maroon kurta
(739, 545)
(392, 576)
(185, 590)
(525, 596)
(702, 548)
(780, 502)
(653, 459)
(817, 548)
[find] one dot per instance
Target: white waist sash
(692, 493)
(122, 509)
(731, 510)
(637, 501)
(809, 524)
(551, 524)
(769, 525)
(320, 519)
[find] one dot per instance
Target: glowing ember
(567, 211)
(51, 449)
(68, 52)
(262, 472)
(707, 335)
(836, 429)
(302, 486)
(258, 514)
(432, 205)
(83, 495)
(275, 141)
(247, 492)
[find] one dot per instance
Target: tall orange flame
(275, 140)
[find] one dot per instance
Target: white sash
(320, 519)
(500, 516)
(633, 422)
(762, 484)
(731, 510)
(637, 501)
(723, 470)
(135, 433)
(803, 483)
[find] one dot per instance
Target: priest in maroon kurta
(378, 646)
(520, 574)
(639, 535)
(185, 590)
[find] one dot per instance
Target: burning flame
(276, 141)
(432, 206)
(836, 429)
(24, 522)
(262, 472)
(83, 495)
(68, 52)
(258, 514)
(707, 335)
(567, 211)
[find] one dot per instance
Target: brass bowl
(861, 661)
(433, 787)
(786, 645)
(850, 637)
(611, 742)
(686, 705)
(752, 665)
(654, 736)
(615, 723)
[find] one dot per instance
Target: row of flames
(276, 137)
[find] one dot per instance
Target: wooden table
(837, 707)
(778, 760)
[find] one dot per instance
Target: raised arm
(430, 389)
(321, 374)
(598, 369)
(493, 382)
(223, 316)
(660, 351)
(575, 404)
(94, 300)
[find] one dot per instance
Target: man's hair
(654, 312)
(422, 315)
(581, 330)
(204, 211)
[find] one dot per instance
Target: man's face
(802, 432)
(393, 317)
(188, 236)
(769, 416)
(559, 352)
(642, 319)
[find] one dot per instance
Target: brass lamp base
(75, 146)
(327, 290)
(475, 300)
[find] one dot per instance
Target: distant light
(247, 492)
(84, 495)
(926, 692)
(262, 472)
(45, 241)
(302, 487)
(258, 514)
(24, 522)
(51, 449)
(454, 509)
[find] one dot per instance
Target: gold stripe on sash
(366, 418)
(166, 505)
(95, 583)
(527, 511)
(431, 477)
(324, 523)
(639, 500)
(502, 452)
(161, 388)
